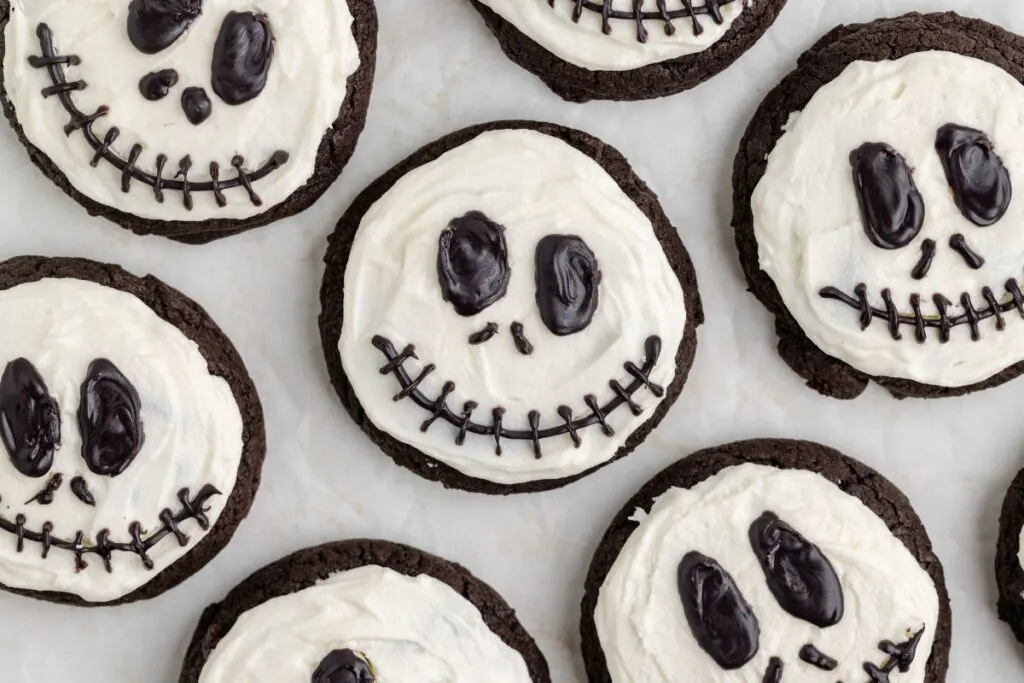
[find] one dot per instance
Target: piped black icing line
(29, 419)
(80, 488)
(80, 121)
(976, 175)
(343, 666)
(940, 320)
(439, 409)
(523, 344)
(920, 271)
(773, 674)
(901, 657)
(958, 243)
(157, 85)
(191, 509)
(485, 335)
(45, 497)
(817, 658)
(638, 15)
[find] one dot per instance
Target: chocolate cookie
(189, 119)
(132, 436)
(1009, 567)
(367, 608)
(508, 309)
(883, 238)
(759, 560)
(622, 49)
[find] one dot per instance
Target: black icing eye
(890, 203)
(472, 263)
(242, 57)
(976, 175)
(29, 419)
(154, 25)
(109, 420)
(800, 577)
(343, 666)
(567, 283)
(719, 616)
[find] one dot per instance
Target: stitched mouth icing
(638, 15)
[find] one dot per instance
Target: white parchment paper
(438, 70)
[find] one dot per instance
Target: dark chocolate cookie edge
(853, 477)
(332, 300)
(223, 361)
(822, 63)
(1009, 574)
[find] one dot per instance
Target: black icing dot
(156, 85)
(197, 105)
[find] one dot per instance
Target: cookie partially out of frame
(146, 114)
(1009, 565)
(761, 560)
(136, 437)
(635, 53)
(508, 309)
(920, 294)
(367, 607)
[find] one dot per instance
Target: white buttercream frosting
(412, 630)
(585, 44)
(640, 620)
(315, 53)
(192, 424)
(810, 234)
(534, 185)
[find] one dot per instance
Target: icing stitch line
(901, 657)
(638, 15)
(191, 508)
(942, 321)
(439, 407)
(54, 66)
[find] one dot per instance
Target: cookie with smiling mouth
(877, 222)
(362, 611)
(191, 119)
(131, 437)
(626, 49)
(767, 560)
(508, 309)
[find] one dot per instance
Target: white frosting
(412, 630)
(534, 185)
(639, 616)
(315, 54)
(192, 424)
(585, 44)
(810, 233)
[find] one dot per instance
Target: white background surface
(439, 69)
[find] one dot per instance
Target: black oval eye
(154, 25)
(800, 577)
(567, 283)
(472, 263)
(108, 418)
(242, 57)
(976, 175)
(719, 616)
(29, 419)
(890, 203)
(343, 666)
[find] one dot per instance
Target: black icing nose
(197, 105)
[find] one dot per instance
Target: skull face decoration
(509, 310)
(180, 109)
(886, 219)
(121, 447)
(762, 575)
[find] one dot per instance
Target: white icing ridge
(413, 630)
(639, 616)
(810, 234)
(585, 44)
(192, 425)
(315, 53)
(534, 185)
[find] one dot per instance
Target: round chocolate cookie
(131, 436)
(190, 119)
(766, 560)
(624, 49)
(1009, 562)
(508, 309)
(364, 608)
(877, 222)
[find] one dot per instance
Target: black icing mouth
(80, 121)
(438, 407)
(940, 319)
(170, 521)
(638, 15)
(901, 657)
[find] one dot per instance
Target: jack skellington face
(180, 109)
(890, 229)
